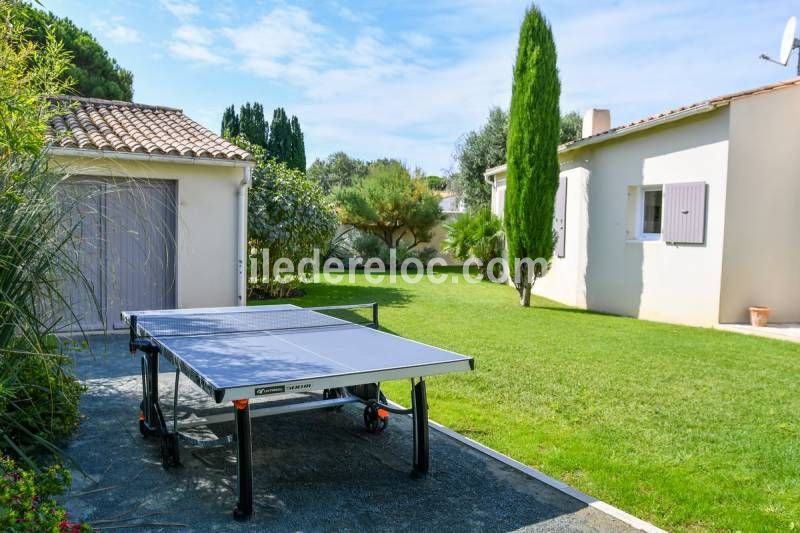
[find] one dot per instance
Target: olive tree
(337, 170)
(391, 205)
(477, 151)
(571, 126)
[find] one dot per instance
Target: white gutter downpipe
(241, 238)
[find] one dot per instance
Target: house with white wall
(161, 204)
(689, 216)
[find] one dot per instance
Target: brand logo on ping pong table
(277, 389)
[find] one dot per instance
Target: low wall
(439, 234)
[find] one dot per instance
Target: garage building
(162, 209)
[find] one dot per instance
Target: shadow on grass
(344, 294)
(575, 311)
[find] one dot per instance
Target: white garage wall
(206, 226)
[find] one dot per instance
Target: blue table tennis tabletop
(310, 351)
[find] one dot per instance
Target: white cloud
(195, 44)
(348, 14)
(282, 32)
(283, 43)
(379, 88)
(643, 58)
(418, 40)
(183, 9)
(407, 110)
(369, 92)
(116, 31)
(195, 52)
(193, 34)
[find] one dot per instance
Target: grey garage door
(125, 247)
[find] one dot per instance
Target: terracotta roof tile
(111, 125)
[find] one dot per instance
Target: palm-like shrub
(477, 234)
(38, 395)
(368, 246)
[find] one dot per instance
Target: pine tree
(279, 145)
(93, 71)
(230, 122)
(533, 136)
(298, 146)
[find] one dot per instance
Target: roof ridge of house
(658, 118)
(710, 103)
(119, 103)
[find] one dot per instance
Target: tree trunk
(525, 296)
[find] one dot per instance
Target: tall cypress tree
(252, 123)
(246, 120)
(260, 125)
(298, 146)
(230, 122)
(532, 151)
(280, 137)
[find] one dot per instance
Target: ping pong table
(244, 355)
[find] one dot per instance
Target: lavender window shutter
(684, 218)
(560, 217)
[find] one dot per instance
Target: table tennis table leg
(244, 461)
(419, 407)
(149, 391)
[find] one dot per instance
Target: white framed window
(650, 213)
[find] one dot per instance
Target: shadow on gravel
(313, 471)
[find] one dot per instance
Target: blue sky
(407, 79)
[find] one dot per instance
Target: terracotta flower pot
(759, 316)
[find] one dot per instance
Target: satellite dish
(788, 43)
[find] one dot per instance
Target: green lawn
(688, 428)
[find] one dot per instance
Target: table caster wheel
(143, 428)
(375, 418)
(241, 516)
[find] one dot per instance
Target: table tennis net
(262, 320)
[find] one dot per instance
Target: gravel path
(314, 471)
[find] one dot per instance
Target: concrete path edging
(600, 505)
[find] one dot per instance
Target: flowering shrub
(26, 499)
